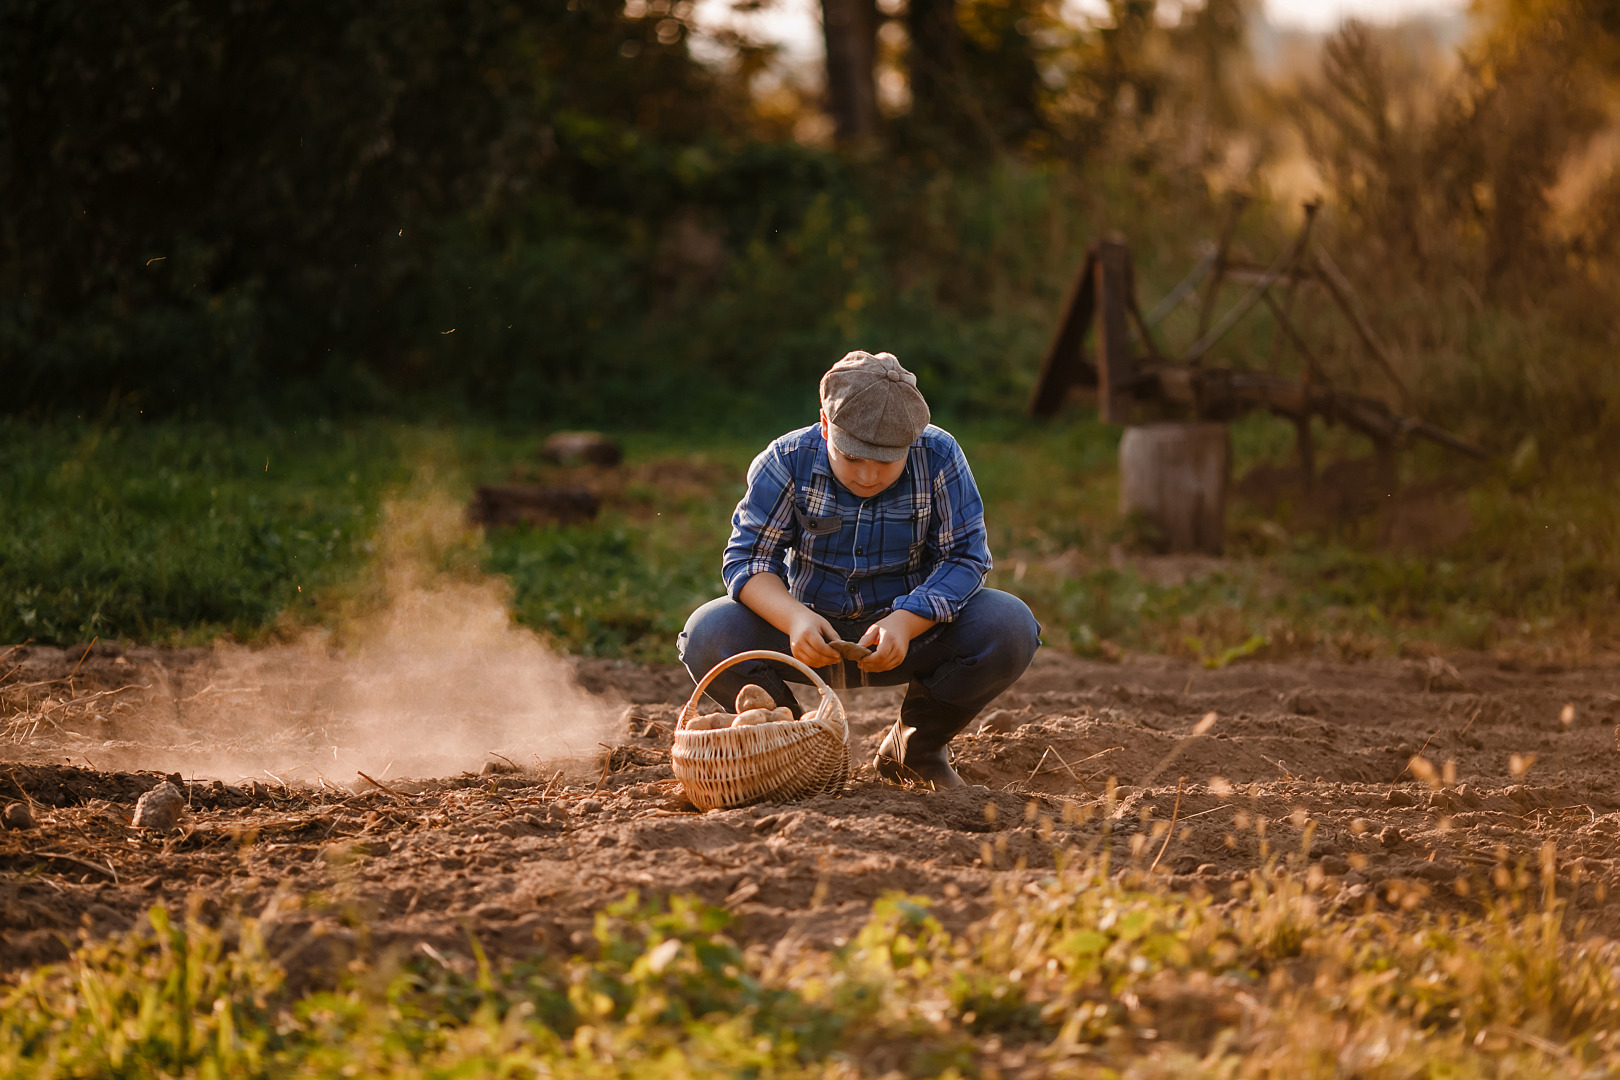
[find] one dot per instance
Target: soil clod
(159, 809)
(17, 816)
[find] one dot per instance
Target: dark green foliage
(208, 204)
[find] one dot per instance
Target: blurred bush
(212, 203)
(1475, 199)
(553, 212)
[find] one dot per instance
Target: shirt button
(860, 551)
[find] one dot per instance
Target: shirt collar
(819, 465)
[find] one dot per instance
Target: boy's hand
(766, 595)
(808, 634)
(890, 639)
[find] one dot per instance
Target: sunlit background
(795, 25)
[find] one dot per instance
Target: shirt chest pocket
(901, 536)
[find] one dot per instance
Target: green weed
(1082, 973)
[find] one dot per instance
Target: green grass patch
(180, 532)
(1081, 974)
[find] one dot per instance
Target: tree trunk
(850, 29)
(1175, 476)
(934, 61)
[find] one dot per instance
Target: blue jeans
(954, 669)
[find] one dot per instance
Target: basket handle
(690, 708)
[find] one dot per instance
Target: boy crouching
(868, 527)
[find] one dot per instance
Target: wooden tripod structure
(1130, 368)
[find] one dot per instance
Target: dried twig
(1081, 761)
(76, 667)
(33, 807)
(380, 784)
(1171, 832)
(106, 871)
(552, 783)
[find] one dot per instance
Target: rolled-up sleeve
(762, 524)
(960, 545)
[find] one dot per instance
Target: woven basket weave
(778, 761)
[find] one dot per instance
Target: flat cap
(874, 409)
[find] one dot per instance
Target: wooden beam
(1313, 367)
(1234, 211)
(1241, 308)
(1282, 309)
(1115, 369)
(1339, 286)
(1183, 289)
(1223, 393)
(1065, 364)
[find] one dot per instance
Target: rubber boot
(914, 750)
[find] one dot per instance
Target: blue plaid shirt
(919, 545)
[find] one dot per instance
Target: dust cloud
(423, 675)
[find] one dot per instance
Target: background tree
(850, 28)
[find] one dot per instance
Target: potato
(711, 722)
(849, 650)
(781, 712)
(754, 697)
(752, 717)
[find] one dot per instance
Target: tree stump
(1174, 476)
(582, 448)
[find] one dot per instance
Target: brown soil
(1078, 755)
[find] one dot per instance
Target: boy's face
(862, 476)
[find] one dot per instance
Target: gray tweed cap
(874, 409)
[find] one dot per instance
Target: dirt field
(1079, 755)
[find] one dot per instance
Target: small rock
(1397, 797)
(17, 816)
(497, 768)
(1389, 836)
(590, 806)
(1355, 880)
(160, 808)
(1334, 865)
(1304, 702)
(1002, 720)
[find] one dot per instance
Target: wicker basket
(778, 761)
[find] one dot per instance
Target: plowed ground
(1304, 763)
